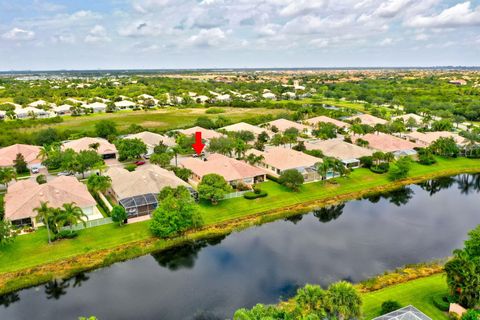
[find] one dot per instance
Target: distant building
(96, 107)
(388, 143)
(323, 119)
(125, 104)
(152, 140)
(242, 126)
(424, 139)
(368, 119)
(348, 153)
(282, 125)
(207, 134)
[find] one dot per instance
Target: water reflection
(184, 257)
(436, 185)
(56, 289)
(327, 214)
(398, 197)
(295, 219)
(9, 298)
(468, 183)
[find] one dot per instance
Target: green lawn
(164, 119)
(418, 293)
(30, 250)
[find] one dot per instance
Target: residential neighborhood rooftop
(339, 149)
(368, 119)
(285, 158)
(152, 139)
(9, 154)
(284, 124)
(315, 121)
(385, 142)
(85, 143)
(243, 126)
(206, 133)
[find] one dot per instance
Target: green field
(31, 250)
(418, 293)
(164, 119)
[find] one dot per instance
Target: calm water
(209, 280)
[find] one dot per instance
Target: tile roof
(206, 133)
(29, 152)
(283, 124)
(427, 138)
(385, 142)
(152, 139)
(368, 119)
(284, 158)
(242, 126)
(315, 121)
(338, 149)
(24, 196)
(84, 144)
(229, 168)
(145, 179)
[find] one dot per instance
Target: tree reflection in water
(184, 257)
(56, 288)
(327, 214)
(7, 299)
(295, 219)
(398, 197)
(206, 315)
(436, 185)
(468, 183)
(79, 279)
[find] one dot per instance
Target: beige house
(29, 152)
(388, 143)
(348, 153)
(24, 196)
(242, 126)
(405, 117)
(368, 119)
(106, 149)
(207, 134)
(234, 171)
(323, 119)
(283, 124)
(152, 140)
(137, 191)
(278, 159)
(424, 139)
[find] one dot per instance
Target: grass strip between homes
(30, 260)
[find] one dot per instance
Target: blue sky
(124, 34)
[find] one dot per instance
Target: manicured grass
(418, 293)
(163, 119)
(31, 250)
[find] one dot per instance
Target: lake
(211, 279)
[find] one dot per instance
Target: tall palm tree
(176, 150)
(45, 214)
(324, 167)
(71, 214)
(7, 175)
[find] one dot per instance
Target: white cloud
(142, 28)
(391, 8)
(299, 7)
(208, 38)
(97, 34)
(63, 38)
(421, 37)
(320, 43)
(18, 34)
(457, 16)
(386, 42)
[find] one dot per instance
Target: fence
(88, 224)
(232, 195)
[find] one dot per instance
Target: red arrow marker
(198, 145)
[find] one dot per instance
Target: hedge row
(441, 302)
(253, 195)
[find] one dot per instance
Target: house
(324, 119)
(406, 313)
(24, 196)
(29, 112)
(223, 98)
(405, 117)
(38, 103)
(269, 96)
(62, 109)
(105, 148)
(368, 119)
(3, 114)
(152, 140)
(234, 171)
(458, 82)
(30, 154)
(388, 143)
(277, 160)
(75, 101)
(96, 107)
(243, 126)
(348, 153)
(143, 98)
(283, 124)
(125, 104)
(424, 139)
(207, 134)
(137, 191)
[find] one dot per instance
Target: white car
(35, 170)
(64, 173)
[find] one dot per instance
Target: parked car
(146, 156)
(64, 173)
(140, 163)
(35, 170)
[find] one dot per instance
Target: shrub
(380, 168)
(366, 161)
(255, 195)
(441, 302)
(272, 178)
(471, 315)
(41, 179)
(389, 306)
(65, 234)
(130, 167)
(291, 179)
(215, 110)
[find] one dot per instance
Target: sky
(171, 34)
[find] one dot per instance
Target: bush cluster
(257, 193)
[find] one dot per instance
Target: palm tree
(389, 157)
(44, 153)
(7, 175)
(94, 146)
(324, 167)
(343, 301)
(253, 159)
(70, 214)
(176, 150)
(99, 183)
(45, 214)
